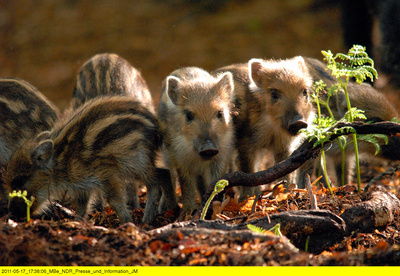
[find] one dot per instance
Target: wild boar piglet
(195, 117)
(96, 151)
(24, 112)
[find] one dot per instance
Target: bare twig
(313, 198)
(389, 171)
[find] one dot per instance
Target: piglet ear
(172, 86)
(301, 62)
(42, 155)
(42, 136)
(226, 83)
(255, 67)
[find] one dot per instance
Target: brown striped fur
(96, 150)
(24, 112)
(108, 74)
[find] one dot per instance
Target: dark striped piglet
(110, 75)
(93, 152)
(107, 75)
(24, 112)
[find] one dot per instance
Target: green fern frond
(334, 89)
(383, 137)
(354, 113)
(344, 130)
(319, 86)
(357, 64)
(343, 139)
(396, 120)
(325, 122)
(219, 187)
(276, 229)
(374, 139)
(256, 229)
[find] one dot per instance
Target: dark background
(45, 42)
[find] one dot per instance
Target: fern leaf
(319, 86)
(354, 113)
(355, 64)
(334, 89)
(383, 137)
(374, 140)
(395, 120)
(256, 229)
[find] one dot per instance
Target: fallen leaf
(155, 245)
(197, 261)
(281, 197)
(247, 204)
(382, 245)
(278, 189)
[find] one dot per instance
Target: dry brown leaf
(278, 189)
(281, 197)
(246, 205)
(293, 206)
(232, 205)
(382, 245)
(197, 261)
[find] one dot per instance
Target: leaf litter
(103, 241)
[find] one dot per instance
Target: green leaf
(354, 113)
(334, 89)
(396, 120)
(276, 229)
(355, 64)
(256, 229)
(374, 140)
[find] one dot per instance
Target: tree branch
(296, 159)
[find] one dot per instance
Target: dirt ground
(63, 240)
(46, 44)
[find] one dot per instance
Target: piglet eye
(189, 115)
(220, 114)
(275, 95)
(305, 92)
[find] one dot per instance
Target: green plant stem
(306, 246)
(329, 109)
(325, 171)
(357, 163)
(320, 164)
(326, 104)
(204, 212)
(276, 230)
(318, 106)
(28, 212)
(354, 135)
(342, 146)
(343, 149)
(219, 187)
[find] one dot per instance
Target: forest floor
(102, 241)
